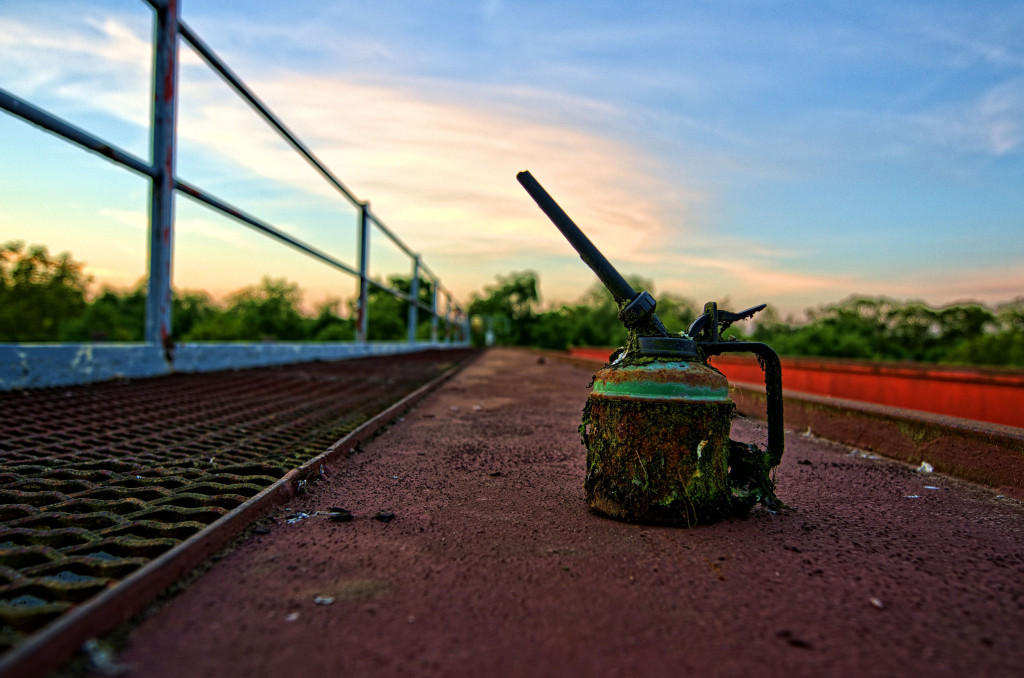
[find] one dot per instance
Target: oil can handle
(772, 367)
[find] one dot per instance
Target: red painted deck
(990, 395)
(488, 562)
(493, 566)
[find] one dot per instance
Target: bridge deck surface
(493, 565)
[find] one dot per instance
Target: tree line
(869, 328)
(45, 298)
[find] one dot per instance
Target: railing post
(362, 318)
(447, 318)
(161, 196)
(414, 292)
(433, 313)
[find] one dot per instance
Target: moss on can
(658, 462)
(658, 447)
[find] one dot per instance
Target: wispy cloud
(442, 172)
(967, 47)
(993, 123)
(99, 63)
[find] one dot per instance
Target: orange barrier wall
(991, 395)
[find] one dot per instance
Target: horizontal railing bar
(236, 83)
(253, 222)
(425, 272)
(26, 111)
(51, 123)
(399, 294)
(404, 296)
(211, 58)
(391, 235)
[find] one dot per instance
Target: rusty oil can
(657, 439)
(656, 425)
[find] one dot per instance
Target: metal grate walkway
(97, 480)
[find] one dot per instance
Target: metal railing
(169, 27)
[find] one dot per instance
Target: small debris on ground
(301, 515)
(102, 658)
(862, 454)
(384, 516)
(925, 467)
(323, 600)
(789, 637)
(292, 617)
(339, 515)
(875, 602)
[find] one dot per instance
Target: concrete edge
(49, 365)
(56, 643)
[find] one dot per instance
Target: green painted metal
(642, 382)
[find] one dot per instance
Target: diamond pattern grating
(97, 480)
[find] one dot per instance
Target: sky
(793, 153)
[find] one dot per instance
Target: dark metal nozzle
(616, 284)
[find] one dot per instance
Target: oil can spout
(639, 306)
(616, 284)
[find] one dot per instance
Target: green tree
(511, 307)
(426, 295)
(327, 325)
(514, 297)
(269, 310)
(879, 328)
(594, 319)
(1002, 342)
(38, 293)
(189, 309)
(388, 315)
(112, 316)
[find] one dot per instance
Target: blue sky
(788, 152)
